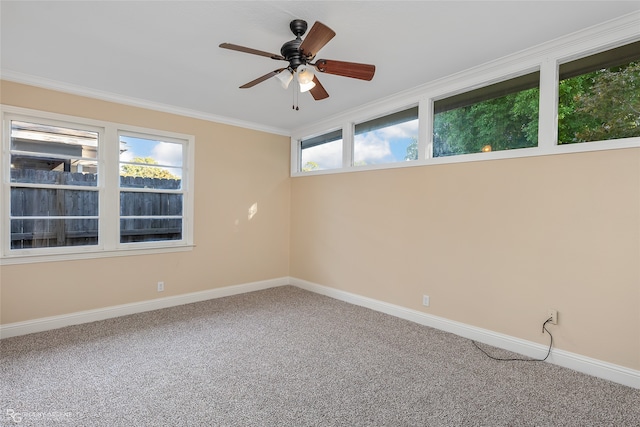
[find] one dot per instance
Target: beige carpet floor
(287, 357)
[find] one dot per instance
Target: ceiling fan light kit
(305, 74)
(306, 87)
(300, 55)
(285, 78)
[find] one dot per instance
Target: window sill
(30, 259)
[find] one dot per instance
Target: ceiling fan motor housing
(291, 51)
(298, 27)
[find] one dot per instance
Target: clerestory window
(321, 152)
(599, 96)
(501, 116)
(389, 139)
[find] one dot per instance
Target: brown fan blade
(318, 91)
(318, 36)
(267, 76)
(346, 69)
(249, 50)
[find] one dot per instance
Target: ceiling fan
(300, 54)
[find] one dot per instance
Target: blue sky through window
(384, 145)
(164, 153)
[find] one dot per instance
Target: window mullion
(109, 190)
(295, 156)
(348, 131)
(425, 129)
(548, 113)
(5, 191)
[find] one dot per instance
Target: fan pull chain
(296, 98)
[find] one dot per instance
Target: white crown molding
(80, 317)
(577, 362)
(44, 83)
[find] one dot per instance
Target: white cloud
(401, 130)
(167, 153)
(164, 153)
(327, 156)
(127, 155)
(375, 146)
(370, 148)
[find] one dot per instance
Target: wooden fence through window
(71, 209)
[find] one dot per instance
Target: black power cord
(544, 329)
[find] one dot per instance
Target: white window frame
(108, 187)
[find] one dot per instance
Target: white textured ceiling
(167, 52)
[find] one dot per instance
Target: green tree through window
(600, 105)
(501, 123)
(143, 171)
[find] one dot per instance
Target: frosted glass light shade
(305, 87)
(285, 78)
(305, 75)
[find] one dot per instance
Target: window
(599, 96)
(563, 96)
(80, 188)
(501, 116)
(321, 152)
(389, 139)
(53, 185)
(151, 192)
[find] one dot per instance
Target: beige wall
(493, 243)
(235, 168)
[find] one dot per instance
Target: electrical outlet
(160, 286)
(425, 300)
(553, 315)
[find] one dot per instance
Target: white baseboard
(587, 365)
(55, 322)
